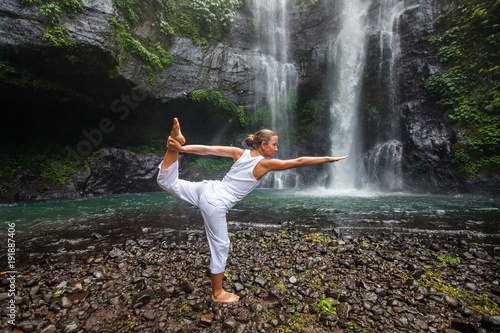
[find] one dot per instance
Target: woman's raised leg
(171, 156)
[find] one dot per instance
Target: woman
(215, 198)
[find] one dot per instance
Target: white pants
(212, 207)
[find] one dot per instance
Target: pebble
(232, 323)
(260, 281)
(149, 315)
(451, 301)
(65, 302)
(71, 328)
(494, 321)
(158, 283)
(343, 310)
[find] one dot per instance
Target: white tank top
(239, 181)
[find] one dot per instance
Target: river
(73, 225)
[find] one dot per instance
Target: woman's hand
(173, 144)
(335, 159)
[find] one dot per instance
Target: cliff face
(426, 135)
(83, 78)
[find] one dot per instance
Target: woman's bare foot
(176, 132)
(225, 297)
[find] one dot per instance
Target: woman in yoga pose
(215, 198)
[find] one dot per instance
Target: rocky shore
(288, 281)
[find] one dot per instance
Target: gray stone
(65, 302)
(343, 310)
(494, 321)
(260, 281)
(71, 328)
(115, 253)
(49, 329)
(451, 301)
(470, 286)
(187, 286)
(149, 315)
(144, 297)
(230, 323)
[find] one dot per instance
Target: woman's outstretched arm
(224, 151)
(267, 165)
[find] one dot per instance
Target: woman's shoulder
(238, 152)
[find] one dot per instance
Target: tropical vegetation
(469, 88)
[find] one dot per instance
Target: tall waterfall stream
(276, 77)
(377, 166)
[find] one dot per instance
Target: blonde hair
(255, 140)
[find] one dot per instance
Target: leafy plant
(312, 114)
(318, 237)
(57, 36)
(155, 57)
(54, 165)
(326, 305)
(262, 116)
(59, 170)
(480, 303)
(200, 20)
(371, 110)
(196, 19)
(469, 88)
(211, 165)
(446, 257)
(227, 110)
(54, 9)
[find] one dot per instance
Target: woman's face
(270, 148)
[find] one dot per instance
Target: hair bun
(250, 140)
(255, 140)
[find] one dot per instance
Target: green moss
(58, 170)
(202, 21)
(55, 167)
(371, 110)
(312, 115)
(57, 36)
(197, 20)
(326, 304)
(253, 23)
(448, 258)
(479, 303)
(155, 57)
(211, 165)
(226, 110)
(294, 3)
(53, 10)
(261, 116)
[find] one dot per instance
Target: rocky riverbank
(288, 281)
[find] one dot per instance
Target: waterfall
(374, 162)
(276, 78)
(384, 165)
(383, 161)
(347, 56)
